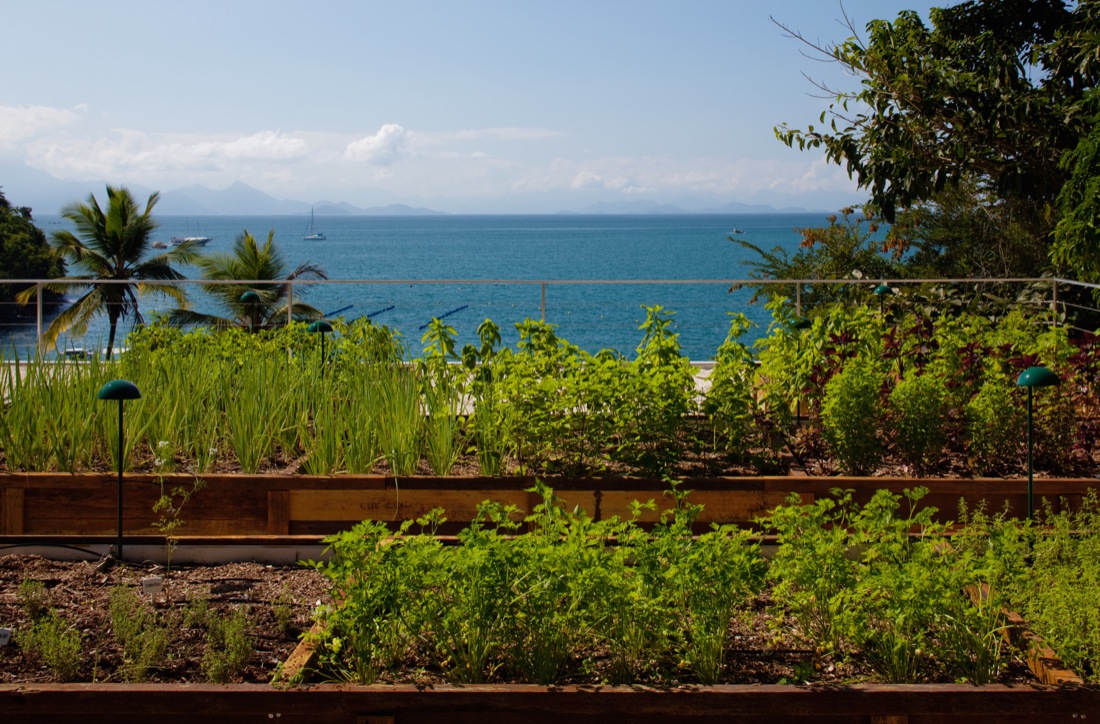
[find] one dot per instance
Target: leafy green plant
(850, 417)
(228, 647)
(918, 410)
(731, 401)
(993, 429)
(53, 642)
(34, 598)
(144, 639)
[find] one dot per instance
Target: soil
(277, 601)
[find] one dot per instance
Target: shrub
(919, 411)
(730, 403)
(993, 429)
(850, 417)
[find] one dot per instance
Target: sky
(479, 106)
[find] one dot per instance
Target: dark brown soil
(278, 602)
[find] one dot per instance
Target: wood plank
(356, 505)
(11, 511)
(278, 512)
(190, 526)
(302, 660)
(322, 704)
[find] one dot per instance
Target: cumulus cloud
(23, 123)
(148, 156)
(263, 146)
(391, 144)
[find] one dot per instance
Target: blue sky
(471, 106)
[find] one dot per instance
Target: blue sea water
(482, 258)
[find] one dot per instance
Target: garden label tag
(152, 585)
(5, 636)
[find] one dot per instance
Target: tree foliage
(24, 253)
(251, 261)
(110, 244)
(965, 131)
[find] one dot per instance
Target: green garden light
(322, 326)
(119, 390)
(251, 298)
(1030, 378)
(882, 291)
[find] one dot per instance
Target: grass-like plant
(399, 416)
(137, 629)
(55, 643)
(228, 647)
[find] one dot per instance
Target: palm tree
(251, 261)
(110, 245)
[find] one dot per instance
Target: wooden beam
(11, 511)
(278, 512)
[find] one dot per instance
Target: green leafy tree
(110, 245)
(848, 248)
(251, 261)
(24, 253)
(958, 130)
(1077, 236)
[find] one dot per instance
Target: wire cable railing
(604, 312)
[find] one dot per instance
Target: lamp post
(322, 326)
(882, 291)
(800, 324)
(1030, 378)
(119, 390)
(251, 298)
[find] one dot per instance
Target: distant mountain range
(45, 194)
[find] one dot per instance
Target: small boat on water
(310, 234)
(737, 231)
(195, 240)
(159, 245)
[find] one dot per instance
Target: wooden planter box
(41, 504)
(406, 704)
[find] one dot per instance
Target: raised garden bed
(43, 504)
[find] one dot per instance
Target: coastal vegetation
(111, 244)
(975, 137)
(250, 261)
(24, 254)
(854, 389)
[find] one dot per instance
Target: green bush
(851, 417)
(919, 415)
(731, 401)
(993, 429)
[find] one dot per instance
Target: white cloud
(391, 144)
(23, 123)
(264, 146)
(149, 157)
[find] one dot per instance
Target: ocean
(480, 260)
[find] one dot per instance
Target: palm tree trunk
(113, 316)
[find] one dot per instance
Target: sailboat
(311, 235)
